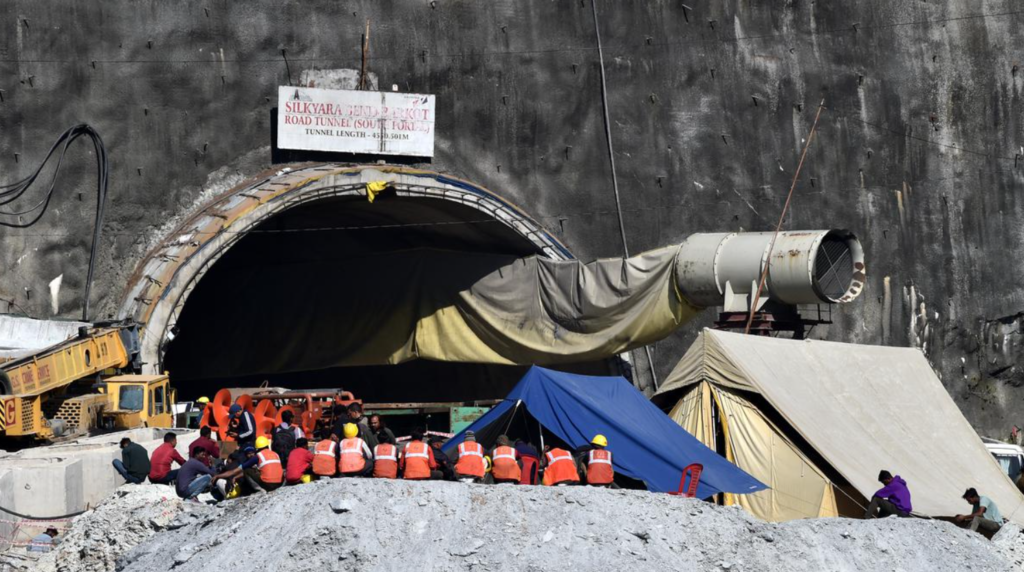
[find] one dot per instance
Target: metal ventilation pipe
(806, 267)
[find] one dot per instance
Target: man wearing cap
(43, 542)
(985, 515)
(891, 499)
(241, 426)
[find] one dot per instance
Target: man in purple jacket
(893, 498)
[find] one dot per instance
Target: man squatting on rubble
(894, 499)
(985, 515)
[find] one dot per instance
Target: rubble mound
(1009, 542)
(369, 525)
(131, 515)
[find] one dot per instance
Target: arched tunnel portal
(285, 279)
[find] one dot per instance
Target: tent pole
(541, 427)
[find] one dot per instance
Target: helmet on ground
(203, 399)
(262, 442)
(306, 479)
(235, 491)
(351, 430)
(600, 441)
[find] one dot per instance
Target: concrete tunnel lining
(172, 271)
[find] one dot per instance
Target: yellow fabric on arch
(373, 188)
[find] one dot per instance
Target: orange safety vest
(351, 459)
(324, 458)
(417, 460)
(599, 467)
(505, 466)
(385, 461)
(561, 468)
(269, 464)
(471, 460)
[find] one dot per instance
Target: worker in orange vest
(325, 457)
(506, 466)
(355, 459)
(559, 467)
(417, 460)
(385, 457)
(470, 464)
(268, 463)
(598, 463)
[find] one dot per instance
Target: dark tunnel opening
(301, 293)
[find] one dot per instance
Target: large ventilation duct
(806, 267)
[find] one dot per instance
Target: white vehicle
(1010, 457)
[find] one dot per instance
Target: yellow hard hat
(262, 442)
(203, 399)
(235, 491)
(487, 464)
(351, 430)
(599, 440)
(306, 479)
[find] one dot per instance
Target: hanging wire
(14, 191)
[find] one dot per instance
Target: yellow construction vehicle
(85, 383)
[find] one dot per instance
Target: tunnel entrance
(300, 299)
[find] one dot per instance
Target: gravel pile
(99, 537)
(1009, 542)
(375, 525)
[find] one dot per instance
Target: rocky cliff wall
(919, 149)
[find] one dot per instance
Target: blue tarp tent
(646, 445)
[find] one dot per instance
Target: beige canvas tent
(816, 421)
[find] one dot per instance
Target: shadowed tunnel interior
(326, 284)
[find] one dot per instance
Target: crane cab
(138, 401)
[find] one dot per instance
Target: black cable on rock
(14, 191)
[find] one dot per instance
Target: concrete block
(46, 487)
(96, 478)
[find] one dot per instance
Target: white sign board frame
(347, 121)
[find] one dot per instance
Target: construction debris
(450, 526)
(100, 536)
(1009, 542)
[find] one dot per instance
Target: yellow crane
(85, 383)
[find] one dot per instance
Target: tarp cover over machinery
(860, 408)
(645, 444)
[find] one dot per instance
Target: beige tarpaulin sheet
(862, 408)
(445, 306)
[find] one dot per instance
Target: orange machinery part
(266, 413)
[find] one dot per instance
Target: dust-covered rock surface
(381, 525)
(1009, 542)
(100, 536)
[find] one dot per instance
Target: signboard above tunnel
(365, 122)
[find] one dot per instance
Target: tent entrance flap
(797, 487)
(646, 445)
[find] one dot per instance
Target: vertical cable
(611, 161)
(608, 132)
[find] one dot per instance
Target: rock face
(452, 526)
(919, 149)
